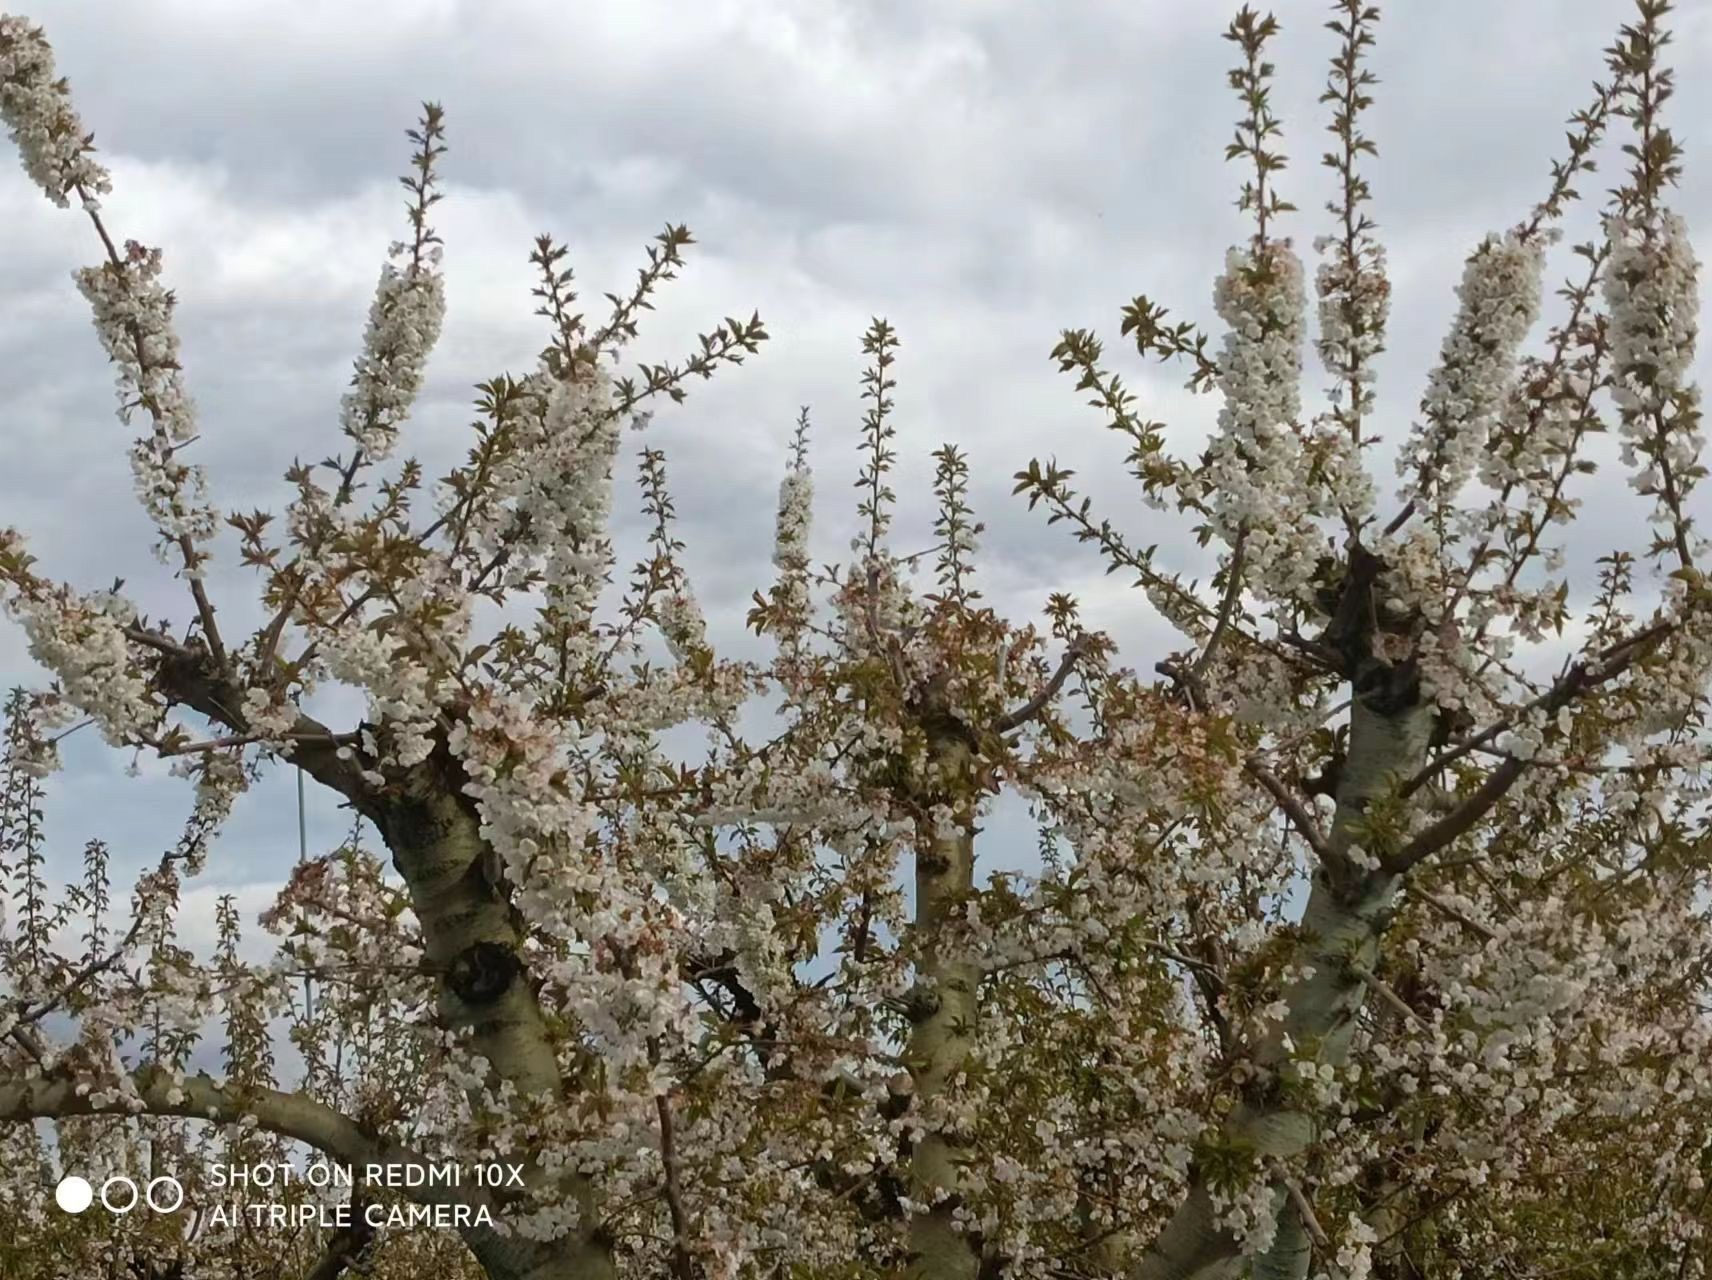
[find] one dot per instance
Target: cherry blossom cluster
(1354, 295)
(791, 592)
(81, 639)
(1258, 452)
(36, 108)
(1498, 301)
(133, 317)
(1651, 289)
(404, 323)
(1354, 304)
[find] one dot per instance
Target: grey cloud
(982, 174)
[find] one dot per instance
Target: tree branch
(1305, 1208)
(1579, 679)
(1383, 990)
(1292, 806)
(1015, 719)
(1624, 649)
(201, 1097)
(1461, 917)
(1227, 605)
(345, 1247)
(185, 677)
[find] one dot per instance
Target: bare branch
(1227, 605)
(1293, 808)
(1461, 917)
(201, 1097)
(1305, 1208)
(1383, 990)
(1020, 716)
(1579, 679)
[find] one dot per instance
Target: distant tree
(1371, 934)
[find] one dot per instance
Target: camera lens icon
(119, 1194)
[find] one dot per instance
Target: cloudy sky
(983, 173)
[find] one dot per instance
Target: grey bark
(474, 940)
(942, 1029)
(1347, 912)
(1292, 1251)
(469, 931)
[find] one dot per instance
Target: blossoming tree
(1370, 934)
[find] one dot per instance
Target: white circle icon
(74, 1194)
(171, 1184)
(119, 1180)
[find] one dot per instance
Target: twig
(1227, 605)
(1611, 662)
(1383, 990)
(1465, 920)
(1556, 696)
(1034, 706)
(683, 1267)
(1299, 1198)
(1293, 808)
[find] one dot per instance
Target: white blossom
(404, 323)
(1499, 300)
(36, 108)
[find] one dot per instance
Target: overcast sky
(983, 173)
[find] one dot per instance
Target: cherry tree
(1370, 931)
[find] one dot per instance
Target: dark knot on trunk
(483, 972)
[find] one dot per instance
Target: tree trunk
(1347, 912)
(1292, 1251)
(942, 1029)
(469, 933)
(473, 940)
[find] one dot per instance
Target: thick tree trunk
(1347, 912)
(511, 1258)
(942, 1029)
(474, 940)
(469, 933)
(1291, 1252)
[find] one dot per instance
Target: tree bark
(344, 1249)
(474, 940)
(942, 1030)
(1346, 915)
(1292, 1251)
(469, 932)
